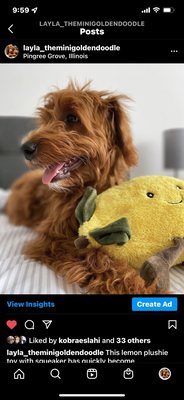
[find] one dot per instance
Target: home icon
(19, 374)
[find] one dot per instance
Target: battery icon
(168, 9)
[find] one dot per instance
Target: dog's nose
(29, 149)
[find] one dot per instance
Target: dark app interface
(106, 346)
(82, 344)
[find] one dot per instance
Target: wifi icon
(156, 9)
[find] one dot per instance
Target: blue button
(154, 304)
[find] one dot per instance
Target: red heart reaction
(11, 324)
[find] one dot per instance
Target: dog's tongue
(50, 173)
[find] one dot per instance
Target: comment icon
(29, 324)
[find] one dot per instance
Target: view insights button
(154, 304)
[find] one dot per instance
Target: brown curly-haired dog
(83, 139)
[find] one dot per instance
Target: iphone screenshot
(91, 200)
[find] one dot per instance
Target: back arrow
(10, 28)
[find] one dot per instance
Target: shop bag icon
(128, 373)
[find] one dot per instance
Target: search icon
(29, 324)
(55, 373)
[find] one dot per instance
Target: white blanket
(19, 275)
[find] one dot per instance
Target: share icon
(47, 322)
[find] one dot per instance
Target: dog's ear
(120, 127)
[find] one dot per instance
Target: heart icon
(11, 324)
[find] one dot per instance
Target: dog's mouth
(56, 172)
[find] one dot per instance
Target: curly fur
(102, 140)
(99, 274)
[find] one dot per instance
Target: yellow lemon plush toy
(140, 221)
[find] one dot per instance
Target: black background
(106, 316)
(151, 43)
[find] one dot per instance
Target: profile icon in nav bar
(164, 373)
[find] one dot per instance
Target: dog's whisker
(84, 160)
(59, 188)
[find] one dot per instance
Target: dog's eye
(71, 119)
(178, 187)
(149, 194)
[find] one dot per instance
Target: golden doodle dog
(83, 139)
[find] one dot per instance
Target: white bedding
(19, 275)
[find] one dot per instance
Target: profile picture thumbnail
(23, 339)
(11, 51)
(164, 373)
(10, 339)
(16, 339)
